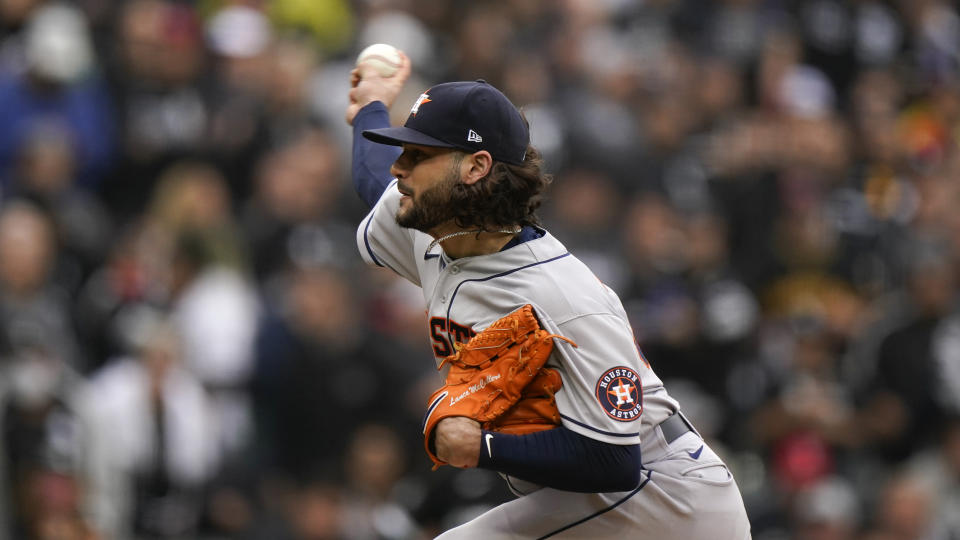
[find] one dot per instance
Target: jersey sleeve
(370, 166)
(604, 379)
(384, 243)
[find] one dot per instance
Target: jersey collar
(526, 234)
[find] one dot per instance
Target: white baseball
(385, 59)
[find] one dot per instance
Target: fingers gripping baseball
(367, 85)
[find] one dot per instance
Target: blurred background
(190, 346)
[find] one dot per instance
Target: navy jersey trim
(366, 243)
(513, 489)
(526, 234)
(430, 408)
(609, 433)
(601, 512)
(366, 229)
(488, 278)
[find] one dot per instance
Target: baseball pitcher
(546, 384)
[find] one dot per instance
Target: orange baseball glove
(536, 410)
(497, 378)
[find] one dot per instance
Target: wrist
(372, 105)
(458, 441)
(488, 449)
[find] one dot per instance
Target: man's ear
(475, 166)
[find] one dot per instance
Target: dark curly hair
(509, 195)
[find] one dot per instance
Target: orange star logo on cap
(424, 98)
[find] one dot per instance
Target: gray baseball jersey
(609, 392)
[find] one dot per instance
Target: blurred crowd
(190, 346)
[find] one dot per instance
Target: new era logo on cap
(457, 114)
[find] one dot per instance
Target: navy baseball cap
(470, 116)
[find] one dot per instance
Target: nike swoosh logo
(696, 455)
(488, 437)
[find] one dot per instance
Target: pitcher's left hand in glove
(490, 374)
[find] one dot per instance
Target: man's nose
(398, 170)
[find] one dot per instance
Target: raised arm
(371, 96)
(370, 168)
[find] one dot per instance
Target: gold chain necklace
(463, 233)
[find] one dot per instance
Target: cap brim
(397, 136)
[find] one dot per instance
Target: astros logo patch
(620, 395)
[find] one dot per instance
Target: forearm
(371, 162)
(562, 459)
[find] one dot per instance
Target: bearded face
(433, 206)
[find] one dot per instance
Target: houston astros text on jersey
(454, 214)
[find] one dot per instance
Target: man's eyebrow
(424, 153)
